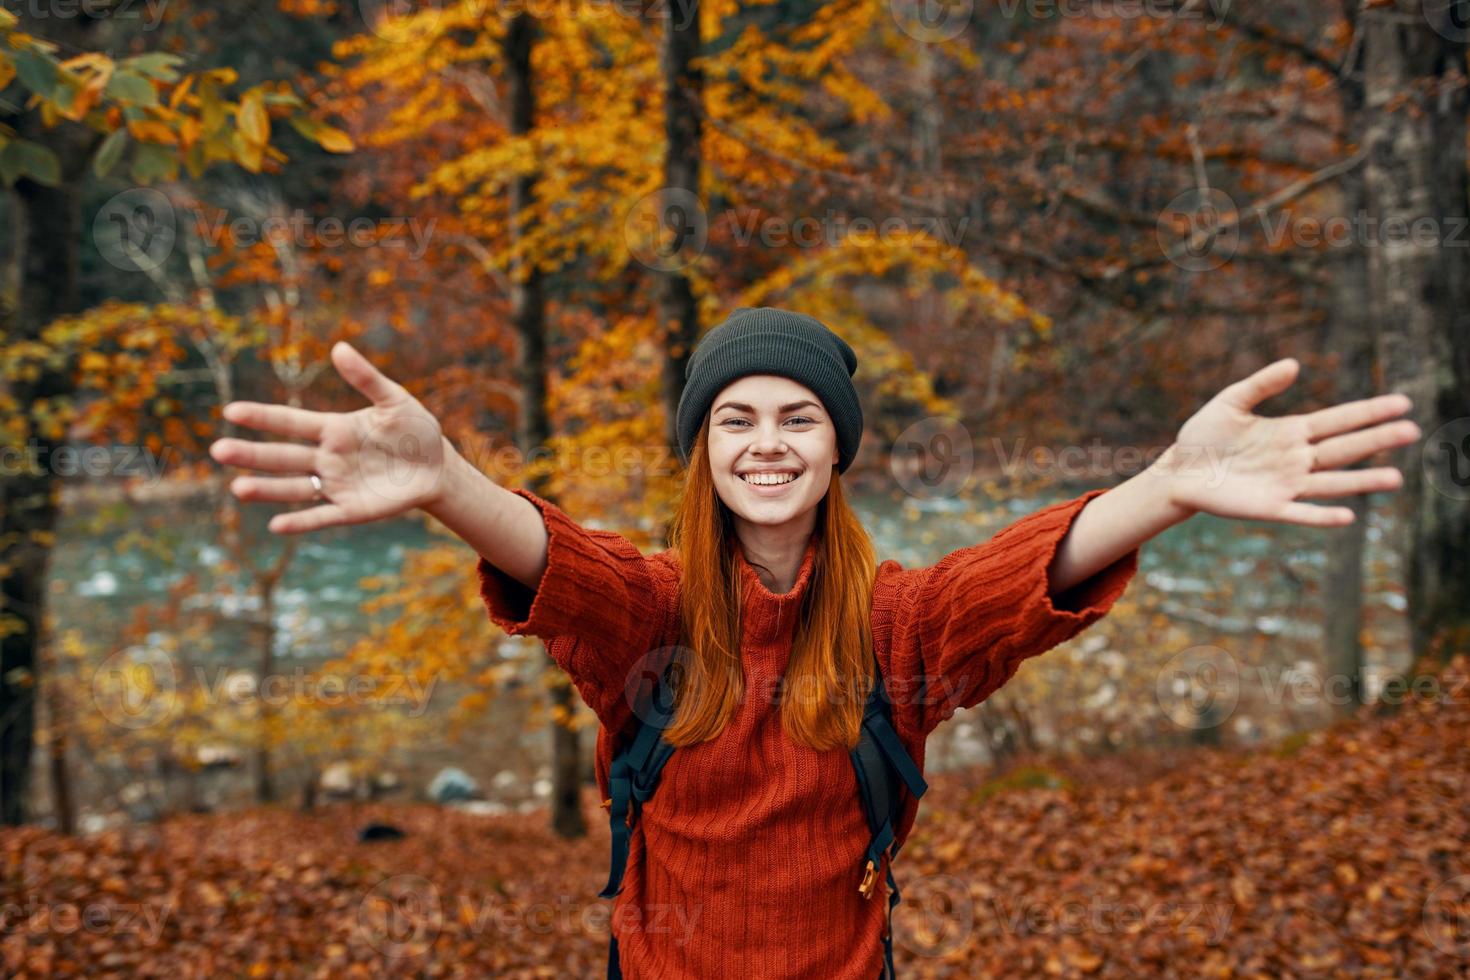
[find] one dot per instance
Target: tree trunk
(61, 795)
(1350, 334)
(1416, 102)
(45, 237)
(528, 310)
(265, 788)
(678, 313)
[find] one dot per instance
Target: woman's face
(776, 427)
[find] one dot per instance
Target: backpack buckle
(870, 878)
(606, 804)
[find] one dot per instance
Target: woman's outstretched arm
(600, 603)
(378, 462)
(1231, 462)
(503, 527)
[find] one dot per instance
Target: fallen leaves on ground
(1345, 857)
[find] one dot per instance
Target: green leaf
(109, 152)
(65, 95)
(284, 98)
(306, 126)
(152, 162)
(22, 158)
(156, 64)
(126, 87)
(7, 19)
(37, 72)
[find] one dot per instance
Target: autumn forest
(1067, 239)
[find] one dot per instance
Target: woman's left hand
(1230, 462)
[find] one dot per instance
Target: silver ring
(316, 484)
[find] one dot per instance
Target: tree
(1419, 289)
(91, 111)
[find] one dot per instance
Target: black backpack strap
(632, 778)
(633, 775)
(881, 763)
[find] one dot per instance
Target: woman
(745, 862)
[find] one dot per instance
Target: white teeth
(768, 479)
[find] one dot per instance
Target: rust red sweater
(747, 860)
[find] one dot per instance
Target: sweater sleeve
(601, 606)
(961, 627)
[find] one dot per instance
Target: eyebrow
(742, 407)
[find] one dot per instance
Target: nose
(768, 439)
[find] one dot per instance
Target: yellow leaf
(152, 131)
(334, 140)
(249, 155)
(255, 124)
(180, 91)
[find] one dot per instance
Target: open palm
(373, 463)
(1231, 462)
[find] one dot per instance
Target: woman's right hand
(374, 463)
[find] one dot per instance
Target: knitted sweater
(746, 862)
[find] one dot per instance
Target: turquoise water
(103, 573)
(1228, 577)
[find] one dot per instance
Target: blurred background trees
(1049, 227)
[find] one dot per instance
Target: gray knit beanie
(765, 340)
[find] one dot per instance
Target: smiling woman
(805, 678)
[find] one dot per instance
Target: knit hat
(765, 340)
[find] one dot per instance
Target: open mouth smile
(769, 483)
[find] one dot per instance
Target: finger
(1345, 483)
(1313, 515)
(1270, 380)
(294, 423)
(1340, 451)
(311, 519)
(1355, 415)
(277, 457)
(288, 490)
(362, 375)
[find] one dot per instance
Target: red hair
(831, 667)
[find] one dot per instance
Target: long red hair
(831, 667)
